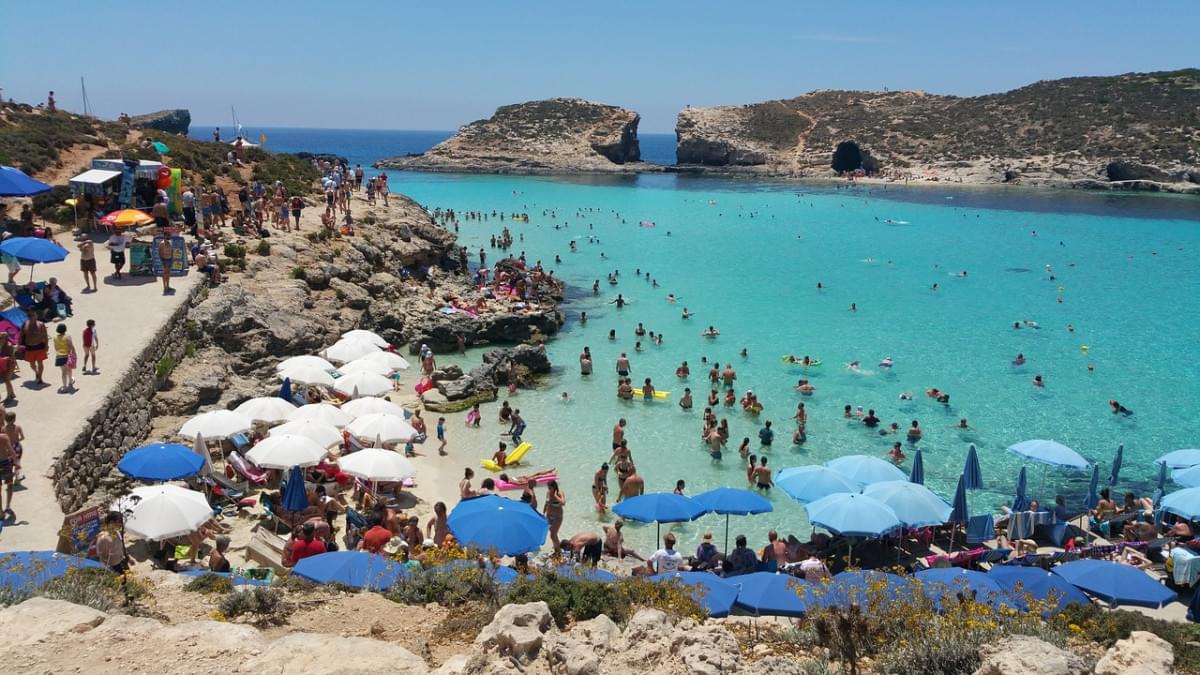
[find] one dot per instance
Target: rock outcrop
(560, 135)
(1024, 655)
(171, 121)
(456, 391)
(1135, 127)
(1142, 653)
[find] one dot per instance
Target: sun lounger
(277, 523)
(266, 549)
(956, 559)
(247, 470)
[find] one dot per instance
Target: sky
(438, 65)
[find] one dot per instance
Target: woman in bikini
(555, 501)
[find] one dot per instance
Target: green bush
(164, 367)
(447, 588)
(264, 248)
(209, 583)
(1105, 627)
(264, 606)
(96, 588)
(580, 599)
(235, 251)
(299, 273)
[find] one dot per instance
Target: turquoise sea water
(747, 257)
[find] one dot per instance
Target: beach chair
(227, 494)
(247, 470)
(277, 523)
(980, 529)
(266, 549)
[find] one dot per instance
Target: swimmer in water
(906, 396)
(612, 334)
(686, 313)
(1031, 324)
(671, 297)
(934, 287)
(853, 307)
(896, 453)
(1118, 409)
(963, 426)
(1037, 381)
(886, 362)
(565, 397)
(853, 365)
(710, 332)
(1020, 360)
(744, 354)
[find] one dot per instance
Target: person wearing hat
(707, 555)
(303, 546)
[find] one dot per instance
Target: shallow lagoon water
(747, 256)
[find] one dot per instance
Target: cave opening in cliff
(847, 157)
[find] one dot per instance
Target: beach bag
(72, 360)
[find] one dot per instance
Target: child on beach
(91, 343)
(441, 435)
(15, 435)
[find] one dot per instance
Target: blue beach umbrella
(1093, 495)
(1020, 500)
(14, 183)
(853, 515)
(285, 389)
(161, 462)
(972, 474)
(235, 579)
(1050, 453)
(732, 501)
(918, 469)
(30, 570)
(855, 587)
(1181, 459)
(915, 505)
(1039, 583)
(943, 585)
(959, 513)
(294, 497)
(1184, 503)
(1189, 477)
(1116, 583)
(770, 594)
(714, 594)
(810, 483)
(865, 469)
(659, 507)
(502, 575)
(585, 573)
(356, 569)
(1116, 465)
(33, 249)
(1161, 488)
(496, 523)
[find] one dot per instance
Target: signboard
(128, 177)
(140, 264)
(179, 257)
(79, 531)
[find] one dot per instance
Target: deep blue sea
(1111, 280)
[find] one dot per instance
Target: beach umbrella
(959, 512)
(235, 579)
(854, 587)
(853, 515)
(160, 147)
(161, 462)
(1116, 465)
(373, 406)
(659, 507)
(126, 218)
(390, 359)
(918, 469)
(269, 409)
(377, 464)
(285, 450)
(864, 469)
(346, 350)
(1049, 453)
(503, 575)
(770, 594)
(1093, 496)
(368, 336)
(1021, 500)
(356, 569)
(810, 483)
(356, 385)
(323, 434)
(306, 375)
(285, 390)
(915, 505)
(943, 585)
(295, 496)
(493, 523)
(1181, 459)
(1115, 583)
(200, 447)
(1038, 583)
(1189, 477)
(364, 366)
(732, 501)
(385, 428)
(1161, 487)
(158, 512)
(216, 424)
(972, 475)
(30, 570)
(33, 250)
(585, 573)
(322, 412)
(1184, 503)
(714, 594)
(306, 361)
(15, 183)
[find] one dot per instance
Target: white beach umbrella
(323, 433)
(163, 511)
(364, 366)
(285, 451)
(372, 406)
(363, 384)
(306, 361)
(216, 424)
(387, 428)
(369, 336)
(377, 464)
(306, 375)
(269, 409)
(322, 412)
(390, 359)
(345, 350)
(201, 447)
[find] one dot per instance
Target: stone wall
(86, 471)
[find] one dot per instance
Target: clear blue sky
(437, 65)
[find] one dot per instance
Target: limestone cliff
(560, 135)
(171, 121)
(1136, 127)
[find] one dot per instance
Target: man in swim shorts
(762, 475)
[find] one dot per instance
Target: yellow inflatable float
(513, 457)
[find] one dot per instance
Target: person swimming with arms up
(710, 332)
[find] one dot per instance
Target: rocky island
(561, 135)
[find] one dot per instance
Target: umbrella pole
(726, 534)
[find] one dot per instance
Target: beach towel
(1185, 566)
